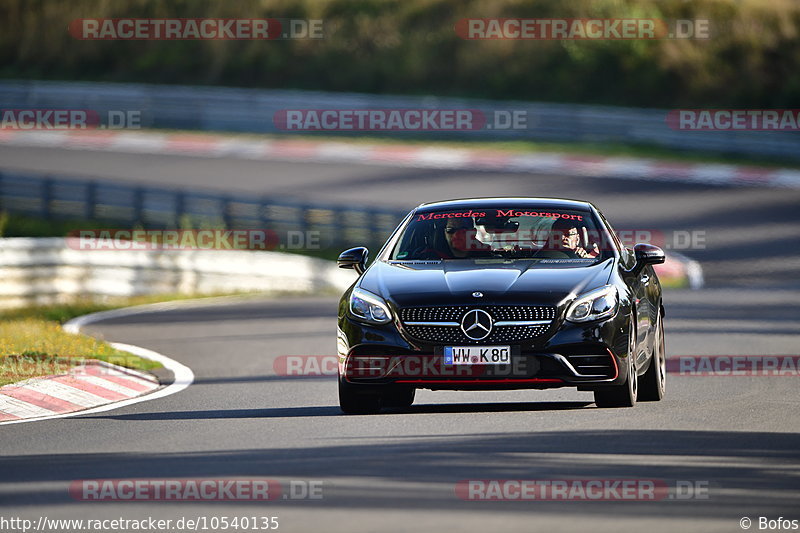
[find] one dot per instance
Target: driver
(455, 240)
(566, 237)
(457, 233)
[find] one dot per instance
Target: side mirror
(355, 258)
(647, 254)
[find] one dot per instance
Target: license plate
(477, 355)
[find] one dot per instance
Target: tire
(353, 402)
(654, 381)
(400, 397)
(625, 394)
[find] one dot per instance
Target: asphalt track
(398, 471)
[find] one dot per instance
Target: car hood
(454, 282)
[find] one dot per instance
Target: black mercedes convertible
(501, 293)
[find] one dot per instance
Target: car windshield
(547, 235)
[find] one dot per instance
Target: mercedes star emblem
(477, 324)
(477, 294)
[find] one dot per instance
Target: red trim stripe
(613, 360)
(480, 381)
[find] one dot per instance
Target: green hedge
(410, 46)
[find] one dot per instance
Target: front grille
(454, 313)
(452, 334)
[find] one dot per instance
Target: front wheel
(399, 397)
(623, 395)
(356, 402)
(654, 381)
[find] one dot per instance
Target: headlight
(369, 307)
(600, 303)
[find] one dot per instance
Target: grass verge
(33, 347)
(32, 343)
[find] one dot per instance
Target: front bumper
(587, 356)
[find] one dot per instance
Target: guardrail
(252, 110)
(43, 271)
(57, 198)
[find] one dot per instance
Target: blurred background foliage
(410, 47)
